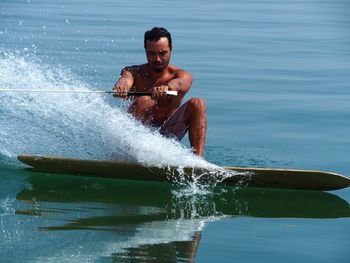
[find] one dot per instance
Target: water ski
(250, 177)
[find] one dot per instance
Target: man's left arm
(181, 83)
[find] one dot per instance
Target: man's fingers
(160, 91)
(121, 92)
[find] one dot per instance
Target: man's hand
(160, 91)
(124, 84)
(122, 88)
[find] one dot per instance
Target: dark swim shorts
(175, 126)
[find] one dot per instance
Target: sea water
(275, 78)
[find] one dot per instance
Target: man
(158, 76)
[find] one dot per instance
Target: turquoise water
(275, 77)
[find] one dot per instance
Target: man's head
(155, 34)
(158, 46)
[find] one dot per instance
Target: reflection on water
(151, 220)
(184, 251)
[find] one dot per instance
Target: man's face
(158, 54)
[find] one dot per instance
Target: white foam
(76, 125)
(87, 126)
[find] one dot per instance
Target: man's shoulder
(179, 72)
(175, 69)
(134, 68)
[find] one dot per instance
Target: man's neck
(157, 75)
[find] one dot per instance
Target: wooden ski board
(250, 177)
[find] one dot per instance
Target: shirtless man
(158, 76)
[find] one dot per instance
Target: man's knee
(197, 104)
(140, 106)
(143, 100)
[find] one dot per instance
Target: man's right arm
(124, 83)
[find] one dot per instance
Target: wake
(85, 126)
(88, 126)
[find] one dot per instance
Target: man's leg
(140, 108)
(191, 117)
(197, 118)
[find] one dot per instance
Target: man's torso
(158, 110)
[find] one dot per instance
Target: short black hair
(156, 33)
